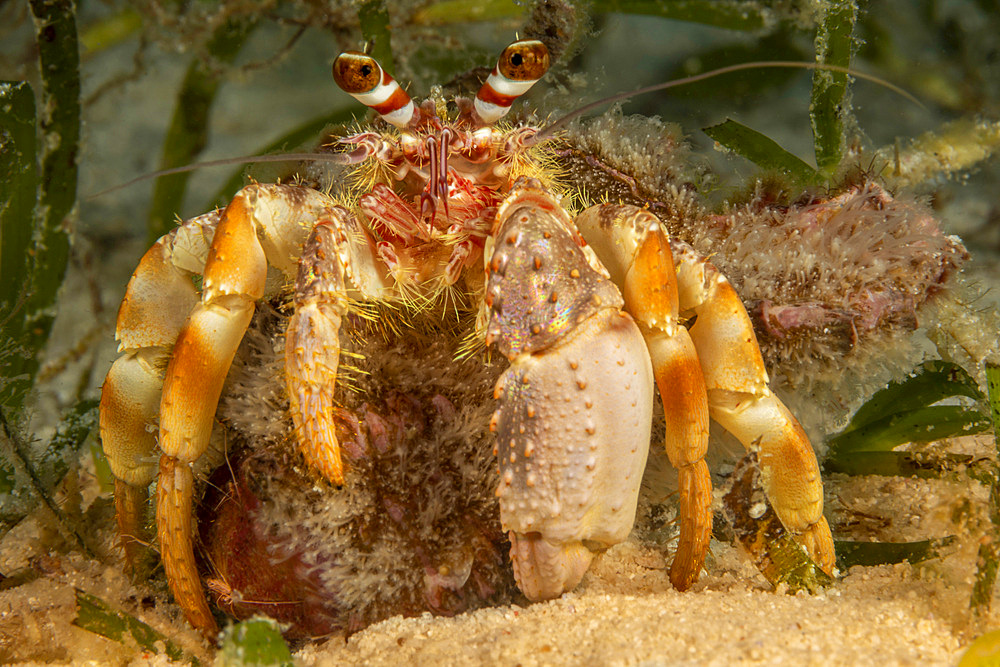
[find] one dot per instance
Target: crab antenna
(550, 130)
(336, 158)
(519, 67)
(360, 76)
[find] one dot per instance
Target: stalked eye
(526, 60)
(360, 76)
(520, 65)
(356, 73)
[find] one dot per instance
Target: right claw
(312, 351)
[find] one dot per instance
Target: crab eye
(356, 72)
(360, 76)
(520, 66)
(526, 60)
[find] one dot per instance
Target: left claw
(576, 403)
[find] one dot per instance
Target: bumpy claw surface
(573, 434)
(576, 403)
(312, 351)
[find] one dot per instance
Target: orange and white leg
(631, 243)
(164, 318)
(262, 226)
(740, 400)
(157, 301)
(234, 278)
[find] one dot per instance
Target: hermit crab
(590, 314)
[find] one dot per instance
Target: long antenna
(550, 130)
(338, 158)
(543, 134)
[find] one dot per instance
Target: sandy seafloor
(625, 612)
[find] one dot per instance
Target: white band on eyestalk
(400, 117)
(390, 101)
(488, 112)
(508, 87)
(497, 95)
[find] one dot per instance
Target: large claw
(573, 423)
(576, 404)
(573, 435)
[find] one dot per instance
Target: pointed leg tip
(683, 576)
(818, 542)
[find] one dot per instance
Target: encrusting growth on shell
(415, 526)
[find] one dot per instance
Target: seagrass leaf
(97, 616)
(761, 150)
